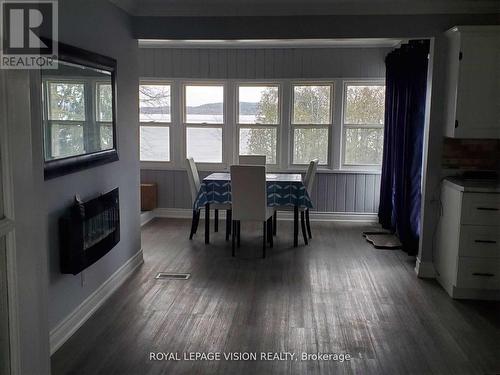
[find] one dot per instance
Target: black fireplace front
(88, 231)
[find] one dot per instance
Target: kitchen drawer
(479, 241)
(481, 209)
(478, 273)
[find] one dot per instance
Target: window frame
(89, 120)
(345, 126)
(160, 124)
(329, 126)
(238, 126)
(203, 125)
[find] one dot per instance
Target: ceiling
(304, 7)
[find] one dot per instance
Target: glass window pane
(364, 146)
(259, 142)
(258, 105)
(154, 103)
(66, 140)
(364, 104)
(155, 143)
(204, 144)
(67, 101)
(106, 132)
(311, 104)
(205, 104)
(310, 144)
(105, 103)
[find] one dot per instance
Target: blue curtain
(400, 194)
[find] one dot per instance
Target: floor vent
(172, 276)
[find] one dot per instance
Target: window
(258, 119)
(204, 121)
(363, 123)
(155, 119)
(311, 122)
(66, 117)
(214, 121)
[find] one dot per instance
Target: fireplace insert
(88, 231)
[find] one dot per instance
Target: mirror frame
(71, 164)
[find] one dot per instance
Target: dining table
(283, 189)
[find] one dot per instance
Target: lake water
(203, 144)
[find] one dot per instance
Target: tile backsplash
(471, 154)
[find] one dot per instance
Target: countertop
(473, 186)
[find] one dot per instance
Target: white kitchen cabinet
(467, 251)
(472, 101)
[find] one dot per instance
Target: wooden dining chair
(194, 186)
(304, 212)
(249, 202)
(252, 160)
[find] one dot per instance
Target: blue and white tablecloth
(282, 190)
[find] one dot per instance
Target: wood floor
(337, 295)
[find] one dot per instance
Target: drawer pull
(483, 274)
(485, 241)
(488, 209)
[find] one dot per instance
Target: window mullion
(89, 144)
(229, 129)
(177, 130)
(284, 133)
(336, 141)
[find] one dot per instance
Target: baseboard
(66, 328)
(146, 217)
(425, 270)
(185, 213)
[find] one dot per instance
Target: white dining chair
(252, 160)
(308, 183)
(249, 202)
(194, 186)
(304, 212)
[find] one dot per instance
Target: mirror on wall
(79, 112)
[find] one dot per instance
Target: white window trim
(230, 133)
(163, 124)
(239, 126)
(327, 126)
(344, 126)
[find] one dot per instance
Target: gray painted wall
(100, 27)
(262, 63)
(333, 192)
